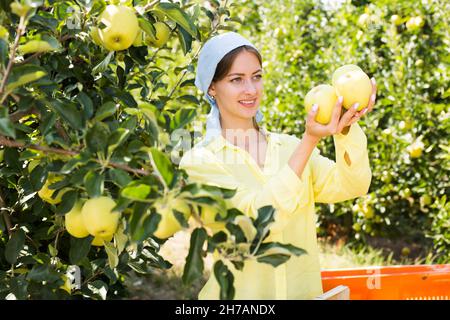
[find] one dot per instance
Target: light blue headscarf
(212, 52)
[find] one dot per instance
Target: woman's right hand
(336, 125)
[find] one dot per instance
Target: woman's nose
(249, 86)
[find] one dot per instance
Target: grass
(168, 284)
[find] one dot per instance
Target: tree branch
(15, 144)
(12, 55)
(6, 216)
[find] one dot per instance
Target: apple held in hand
(354, 85)
(121, 27)
(325, 97)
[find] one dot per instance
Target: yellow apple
(325, 96)
(139, 41)
(33, 46)
(3, 33)
(343, 70)
(414, 23)
(415, 149)
(354, 85)
(208, 217)
(162, 35)
(100, 241)
(396, 19)
(169, 224)
(99, 218)
(74, 222)
(46, 194)
(121, 29)
(368, 211)
(95, 36)
(363, 19)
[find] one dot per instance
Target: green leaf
(116, 139)
(68, 111)
(148, 28)
(19, 287)
(162, 165)
(274, 259)
(79, 248)
(14, 245)
(93, 182)
(37, 177)
(264, 247)
(86, 103)
(136, 191)
(96, 137)
(106, 110)
(111, 251)
(6, 126)
(43, 272)
(119, 177)
(67, 202)
(182, 117)
(193, 268)
(3, 51)
(185, 39)
(225, 279)
(102, 66)
(177, 15)
(22, 75)
(99, 288)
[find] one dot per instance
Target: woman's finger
(310, 118)
(347, 117)
(334, 122)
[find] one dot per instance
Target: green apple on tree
(121, 27)
(99, 218)
(169, 224)
(162, 35)
(353, 84)
(46, 194)
(325, 97)
(74, 222)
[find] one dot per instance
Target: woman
(269, 168)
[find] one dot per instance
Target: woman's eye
(235, 79)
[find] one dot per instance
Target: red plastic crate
(410, 282)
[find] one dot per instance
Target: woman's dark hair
(224, 66)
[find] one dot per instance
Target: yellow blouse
(222, 164)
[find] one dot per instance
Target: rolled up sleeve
(345, 178)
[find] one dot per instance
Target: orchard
(98, 103)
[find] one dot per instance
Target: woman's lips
(248, 103)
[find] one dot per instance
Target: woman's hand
(338, 123)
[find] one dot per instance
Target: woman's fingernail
(356, 105)
(372, 98)
(373, 81)
(341, 98)
(315, 107)
(365, 110)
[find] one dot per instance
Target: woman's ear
(212, 90)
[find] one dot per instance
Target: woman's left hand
(350, 116)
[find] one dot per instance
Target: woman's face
(238, 95)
